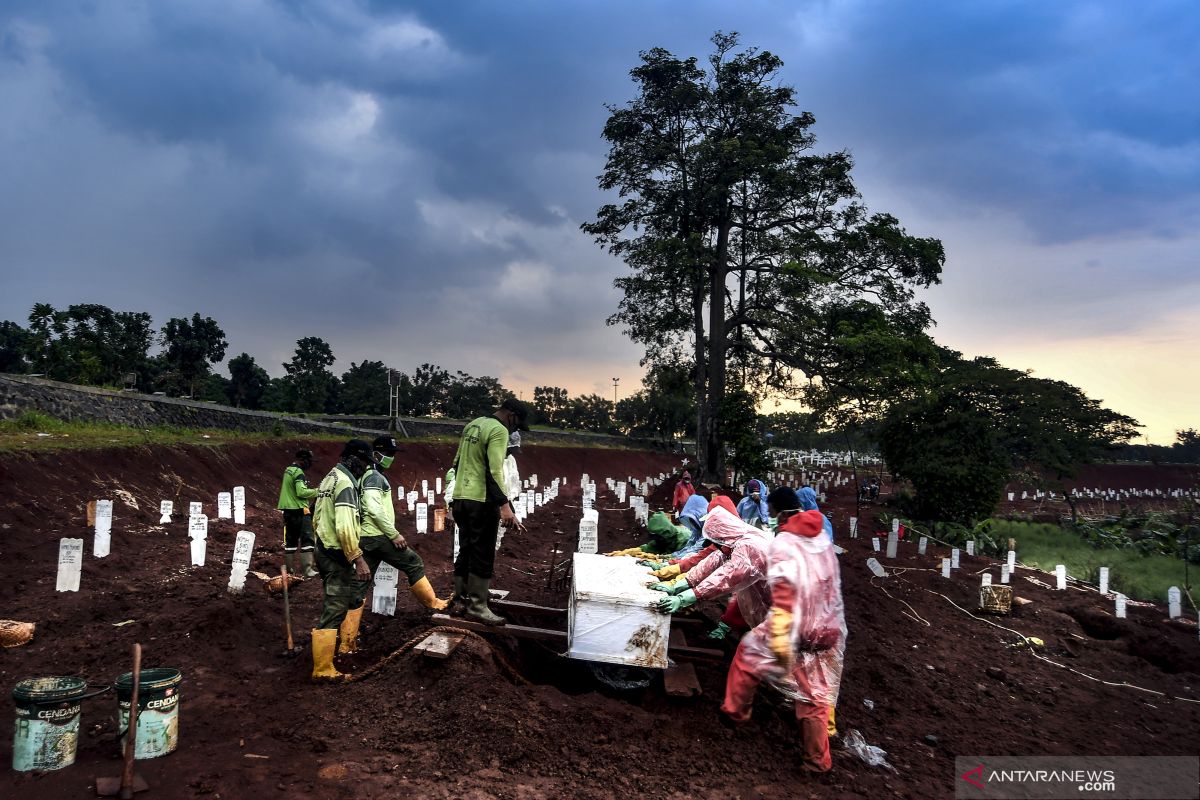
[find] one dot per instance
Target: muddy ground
(510, 719)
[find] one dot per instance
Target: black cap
(304, 454)
(385, 445)
(782, 498)
(359, 449)
(519, 409)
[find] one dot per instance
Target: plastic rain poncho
(742, 573)
(683, 490)
(805, 582)
(695, 508)
(749, 509)
(808, 502)
(666, 536)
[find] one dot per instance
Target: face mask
(386, 461)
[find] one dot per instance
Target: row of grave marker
(70, 557)
(1007, 569)
(1107, 494)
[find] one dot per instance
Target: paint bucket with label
(47, 726)
(158, 711)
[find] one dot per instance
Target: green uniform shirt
(336, 519)
(481, 452)
(294, 492)
(378, 512)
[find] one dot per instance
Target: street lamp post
(615, 382)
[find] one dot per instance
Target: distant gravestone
(239, 505)
(588, 538)
(945, 568)
(224, 505)
(1005, 573)
(1120, 606)
(854, 527)
(875, 543)
(954, 558)
(892, 543)
(1060, 575)
(1104, 580)
(877, 568)
(987, 579)
(243, 547)
(1012, 560)
(422, 518)
(922, 544)
(1174, 602)
(165, 509)
(437, 484)
(971, 547)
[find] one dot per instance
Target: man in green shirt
(481, 505)
(294, 495)
(380, 541)
(344, 572)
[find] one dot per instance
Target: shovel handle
(287, 608)
(131, 731)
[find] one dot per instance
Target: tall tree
(247, 382)
(309, 375)
(365, 388)
(15, 346)
(190, 347)
(550, 402)
(744, 246)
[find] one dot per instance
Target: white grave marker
(588, 537)
(896, 525)
(875, 543)
(198, 527)
(987, 579)
(195, 509)
(538, 499)
(437, 485)
(893, 542)
(239, 496)
(922, 543)
(1120, 606)
(411, 500)
(424, 487)
(876, 568)
(243, 546)
(1012, 560)
(1060, 574)
(199, 548)
(1010, 496)
(945, 568)
(165, 508)
(70, 564)
(224, 505)
(1005, 573)
(383, 596)
(854, 527)
(422, 518)
(954, 558)
(101, 543)
(1104, 580)
(971, 547)
(1173, 602)
(104, 513)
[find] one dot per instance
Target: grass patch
(34, 431)
(1143, 577)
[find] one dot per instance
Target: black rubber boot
(459, 602)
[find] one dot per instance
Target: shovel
(129, 783)
(292, 651)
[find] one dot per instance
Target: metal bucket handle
(97, 691)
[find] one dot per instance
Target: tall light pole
(615, 382)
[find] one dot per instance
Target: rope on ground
(501, 661)
(913, 616)
(1026, 641)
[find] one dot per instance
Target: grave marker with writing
(1173, 602)
(922, 543)
(243, 547)
(383, 596)
(1104, 580)
(70, 564)
(224, 505)
(165, 508)
(422, 518)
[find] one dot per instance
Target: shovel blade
(111, 787)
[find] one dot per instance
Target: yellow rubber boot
(423, 591)
(832, 726)
(324, 640)
(349, 630)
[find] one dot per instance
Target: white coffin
(611, 616)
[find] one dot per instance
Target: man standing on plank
(481, 505)
(294, 495)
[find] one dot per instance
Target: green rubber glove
(645, 562)
(669, 605)
(661, 587)
(718, 633)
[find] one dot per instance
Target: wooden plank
(439, 645)
(696, 652)
(530, 608)
(680, 681)
(676, 638)
(517, 631)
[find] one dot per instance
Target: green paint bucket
(47, 727)
(158, 711)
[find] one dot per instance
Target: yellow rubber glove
(780, 626)
(669, 571)
(629, 551)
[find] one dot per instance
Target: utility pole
(615, 382)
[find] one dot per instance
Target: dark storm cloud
(407, 180)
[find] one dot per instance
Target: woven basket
(15, 634)
(995, 599)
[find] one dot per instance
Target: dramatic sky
(406, 180)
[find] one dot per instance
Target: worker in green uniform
(294, 494)
(381, 542)
(481, 505)
(344, 571)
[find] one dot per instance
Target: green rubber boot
(477, 594)
(458, 601)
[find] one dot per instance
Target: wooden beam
(530, 608)
(517, 631)
(680, 681)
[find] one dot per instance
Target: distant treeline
(93, 345)
(1185, 450)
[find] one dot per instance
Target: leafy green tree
(745, 247)
(247, 382)
(747, 449)
(309, 377)
(278, 396)
(549, 404)
(190, 347)
(365, 388)
(468, 397)
(15, 347)
(589, 412)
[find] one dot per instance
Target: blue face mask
(386, 461)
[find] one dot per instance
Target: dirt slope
(513, 720)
